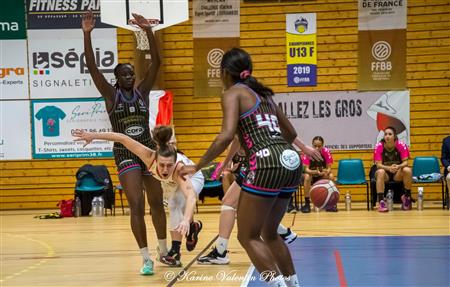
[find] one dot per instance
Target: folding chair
(427, 165)
(351, 172)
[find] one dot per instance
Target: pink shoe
(382, 207)
(406, 203)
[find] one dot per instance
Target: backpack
(66, 207)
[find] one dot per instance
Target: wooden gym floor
(102, 251)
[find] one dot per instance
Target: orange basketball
(324, 194)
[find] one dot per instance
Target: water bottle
(316, 209)
(101, 206)
(94, 206)
(77, 212)
(348, 201)
(390, 200)
(420, 198)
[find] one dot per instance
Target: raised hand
(88, 21)
(142, 22)
(183, 227)
(81, 135)
(312, 153)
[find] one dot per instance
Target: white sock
(145, 254)
(277, 282)
(221, 244)
(282, 229)
(162, 244)
(292, 281)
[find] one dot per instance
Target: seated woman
(391, 157)
(164, 164)
(316, 170)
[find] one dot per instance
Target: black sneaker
(192, 237)
(289, 236)
(291, 208)
(306, 208)
(173, 259)
(214, 257)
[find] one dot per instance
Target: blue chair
(351, 172)
(212, 188)
(426, 165)
(86, 188)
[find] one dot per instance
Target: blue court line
(370, 261)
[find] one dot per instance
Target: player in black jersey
(274, 167)
(127, 106)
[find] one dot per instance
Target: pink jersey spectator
(400, 146)
(326, 155)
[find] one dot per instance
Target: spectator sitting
(445, 159)
(391, 157)
(316, 170)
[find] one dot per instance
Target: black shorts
(272, 171)
(127, 161)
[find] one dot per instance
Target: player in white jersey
(181, 193)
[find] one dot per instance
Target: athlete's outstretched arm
(230, 108)
(147, 83)
(188, 191)
(106, 90)
(234, 148)
(146, 154)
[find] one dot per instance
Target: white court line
(248, 276)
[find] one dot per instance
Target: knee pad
(226, 208)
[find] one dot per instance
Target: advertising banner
(381, 45)
(347, 120)
(61, 14)
(15, 138)
(301, 49)
(13, 70)
(53, 122)
(58, 66)
(12, 20)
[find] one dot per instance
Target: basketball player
(233, 167)
(274, 166)
(316, 170)
(182, 194)
(391, 157)
(127, 106)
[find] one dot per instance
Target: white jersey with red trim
(169, 184)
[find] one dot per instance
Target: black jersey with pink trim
(131, 117)
(258, 127)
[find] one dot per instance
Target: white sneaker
(289, 236)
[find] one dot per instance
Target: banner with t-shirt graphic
(382, 45)
(301, 49)
(53, 122)
(347, 120)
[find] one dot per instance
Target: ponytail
(238, 65)
(162, 135)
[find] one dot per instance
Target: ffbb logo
(44, 61)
